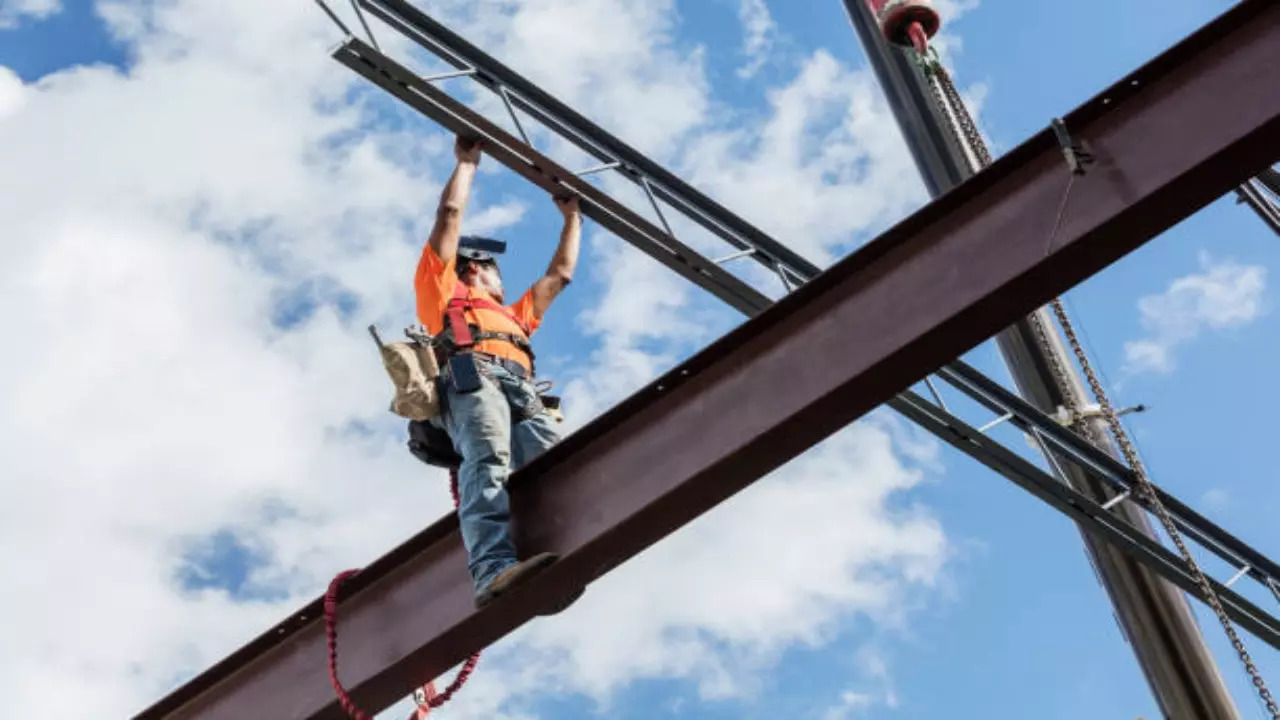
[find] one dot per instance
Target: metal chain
(939, 96)
(964, 131)
(1147, 492)
(943, 86)
(967, 125)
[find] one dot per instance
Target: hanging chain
(933, 65)
(942, 86)
(1147, 492)
(964, 131)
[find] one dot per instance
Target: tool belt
(507, 364)
(415, 369)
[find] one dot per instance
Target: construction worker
(490, 408)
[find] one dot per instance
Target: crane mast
(1153, 614)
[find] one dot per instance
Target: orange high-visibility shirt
(434, 284)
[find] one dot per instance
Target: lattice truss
(656, 212)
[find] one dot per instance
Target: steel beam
(1154, 617)
(1271, 180)
(1097, 463)
(1251, 194)
(547, 174)
(906, 90)
(532, 165)
(1201, 119)
(590, 137)
(1091, 516)
(938, 155)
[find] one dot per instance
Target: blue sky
(1019, 628)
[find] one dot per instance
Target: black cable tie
(1077, 156)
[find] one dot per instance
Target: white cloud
(848, 706)
(12, 92)
(759, 29)
(12, 11)
(148, 401)
(1223, 295)
(786, 588)
(875, 689)
(1217, 498)
(627, 74)
(720, 601)
(826, 163)
(947, 42)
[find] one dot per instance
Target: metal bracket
(1076, 154)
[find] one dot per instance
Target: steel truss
(1254, 194)
(637, 473)
(519, 93)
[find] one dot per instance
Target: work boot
(519, 573)
(559, 604)
(514, 576)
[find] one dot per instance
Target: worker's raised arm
(560, 271)
(453, 201)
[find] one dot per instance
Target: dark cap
(475, 248)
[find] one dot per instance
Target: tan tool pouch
(413, 370)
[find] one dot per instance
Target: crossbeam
(658, 243)
(1096, 519)
(1253, 195)
(590, 138)
(1190, 126)
(518, 92)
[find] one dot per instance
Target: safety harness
(459, 335)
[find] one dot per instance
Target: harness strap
(454, 313)
(465, 335)
(480, 335)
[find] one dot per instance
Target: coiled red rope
(433, 700)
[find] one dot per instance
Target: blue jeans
(490, 432)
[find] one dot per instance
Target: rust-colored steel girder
(1182, 131)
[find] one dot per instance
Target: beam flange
(1187, 128)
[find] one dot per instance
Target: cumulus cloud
(876, 689)
(233, 177)
(758, 30)
(825, 164)
(854, 556)
(12, 92)
(12, 11)
(1225, 294)
(718, 602)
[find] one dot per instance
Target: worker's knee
(533, 437)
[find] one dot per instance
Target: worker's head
(477, 265)
(483, 274)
